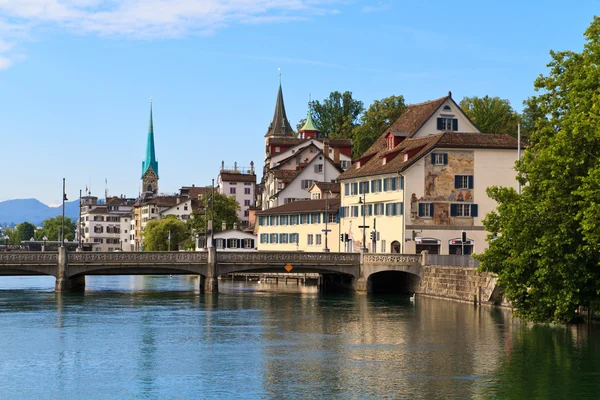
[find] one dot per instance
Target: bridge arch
(224, 269)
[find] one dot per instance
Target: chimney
(235, 226)
(251, 167)
(222, 166)
(326, 149)
(336, 155)
(235, 166)
(224, 226)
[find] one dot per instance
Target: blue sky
(76, 76)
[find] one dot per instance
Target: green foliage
(337, 116)
(52, 227)
(373, 122)
(25, 230)
(545, 243)
(491, 114)
(156, 234)
(13, 237)
(226, 209)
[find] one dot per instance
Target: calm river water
(159, 338)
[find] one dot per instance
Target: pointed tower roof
(150, 160)
(309, 125)
(280, 126)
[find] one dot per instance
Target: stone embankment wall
(461, 283)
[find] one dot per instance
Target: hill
(34, 211)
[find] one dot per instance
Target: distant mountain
(34, 211)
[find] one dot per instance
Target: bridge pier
(210, 283)
(362, 285)
(64, 283)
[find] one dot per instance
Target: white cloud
(147, 19)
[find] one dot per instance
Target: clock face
(150, 181)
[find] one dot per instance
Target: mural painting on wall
(441, 214)
(439, 180)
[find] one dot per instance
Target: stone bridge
(70, 269)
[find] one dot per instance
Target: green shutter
(470, 181)
(456, 181)
(401, 210)
(455, 124)
(401, 183)
(431, 209)
(474, 210)
(445, 158)
(453, 210)
(439, 124)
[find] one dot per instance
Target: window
(293, 220)
(185, 208)
(273, 238)
(376, 186)
(246, 190)
(318, 239)
(306, 183)
(283, 238)
(383, 247)
(248, 243)
(319, 168)
(247, 184)
(463, 210)
(346, 189)
(463, 182)
(316, 196)
(309, 239)
(283, 220)
(246, 213)
(426, 210)
(219, 243)
(354, 191)
(281, 186)
(233, 243)
(354, 211)
(439, 158)
(98, 229)
(277, 149)
(331, 218)
(345, 164)
(447, 124)
(232, 190)
(305, 218)
(246, 202)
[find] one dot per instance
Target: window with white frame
(305, 218)
(345, 164)
(310, 239)
(316, 196)
(463, 182)
(248, 243)
(273, 238)
(306, 183)
(463, 210)
(318, 239)
(332, 218)
(426, 210)
(383, 247)
(319, 168)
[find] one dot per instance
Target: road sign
(325, 230)
(288, 268)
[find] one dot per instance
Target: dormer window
(390, 142)
(357, 164)
(447, 108)
(383, 160)
(405, 156)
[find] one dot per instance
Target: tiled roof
(233, 177)
(411, 120)
(304, 206)
(284, 175)
(284, 140)
(328, 186)
(422, 146)
(280, 126)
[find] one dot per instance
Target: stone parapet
(460, 283)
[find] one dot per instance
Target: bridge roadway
(70, 268)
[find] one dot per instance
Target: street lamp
(362, 200)
(6, 242)
(326, 249)
(64, 198)
(44, 239)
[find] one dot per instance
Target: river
(158, 337)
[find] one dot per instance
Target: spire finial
(279, 70)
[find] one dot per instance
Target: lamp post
(6, 242)
(364, 225)
(44, 239)
(326, 249)
(62, 232)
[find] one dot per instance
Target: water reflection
(159, 337)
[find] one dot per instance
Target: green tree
(545, 242)
(380, 115)
(337, 116)
(491, 114)
(25, 230)
(158, 231)
(13, 237)
(226, 209)
(52, 227)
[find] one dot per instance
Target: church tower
(150, 165)
(278, 128)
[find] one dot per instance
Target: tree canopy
(337, 116)
(545, 242)
(25, 231)
(380, 115)
(491, 114)
(226, 209)
(51, 228)
(164, 234)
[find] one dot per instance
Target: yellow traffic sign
(288, 268)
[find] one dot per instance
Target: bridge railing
(287, 257)
(30, 257)
(392, 258)
(160, 257)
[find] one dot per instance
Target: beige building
(424, 183)
(101, 223)
(299, 226)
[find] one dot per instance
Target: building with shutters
(300, 226)
(230, 240)
(424, 182)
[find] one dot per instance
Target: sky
(76, 76)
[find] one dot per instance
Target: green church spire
(150, 161)
(309, 125)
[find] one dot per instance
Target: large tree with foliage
(545, 242)
(52, 227)
(226, 209)
(164, 234)
(337, 115)
(491, 114)
(380, 115)
(25, 230)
